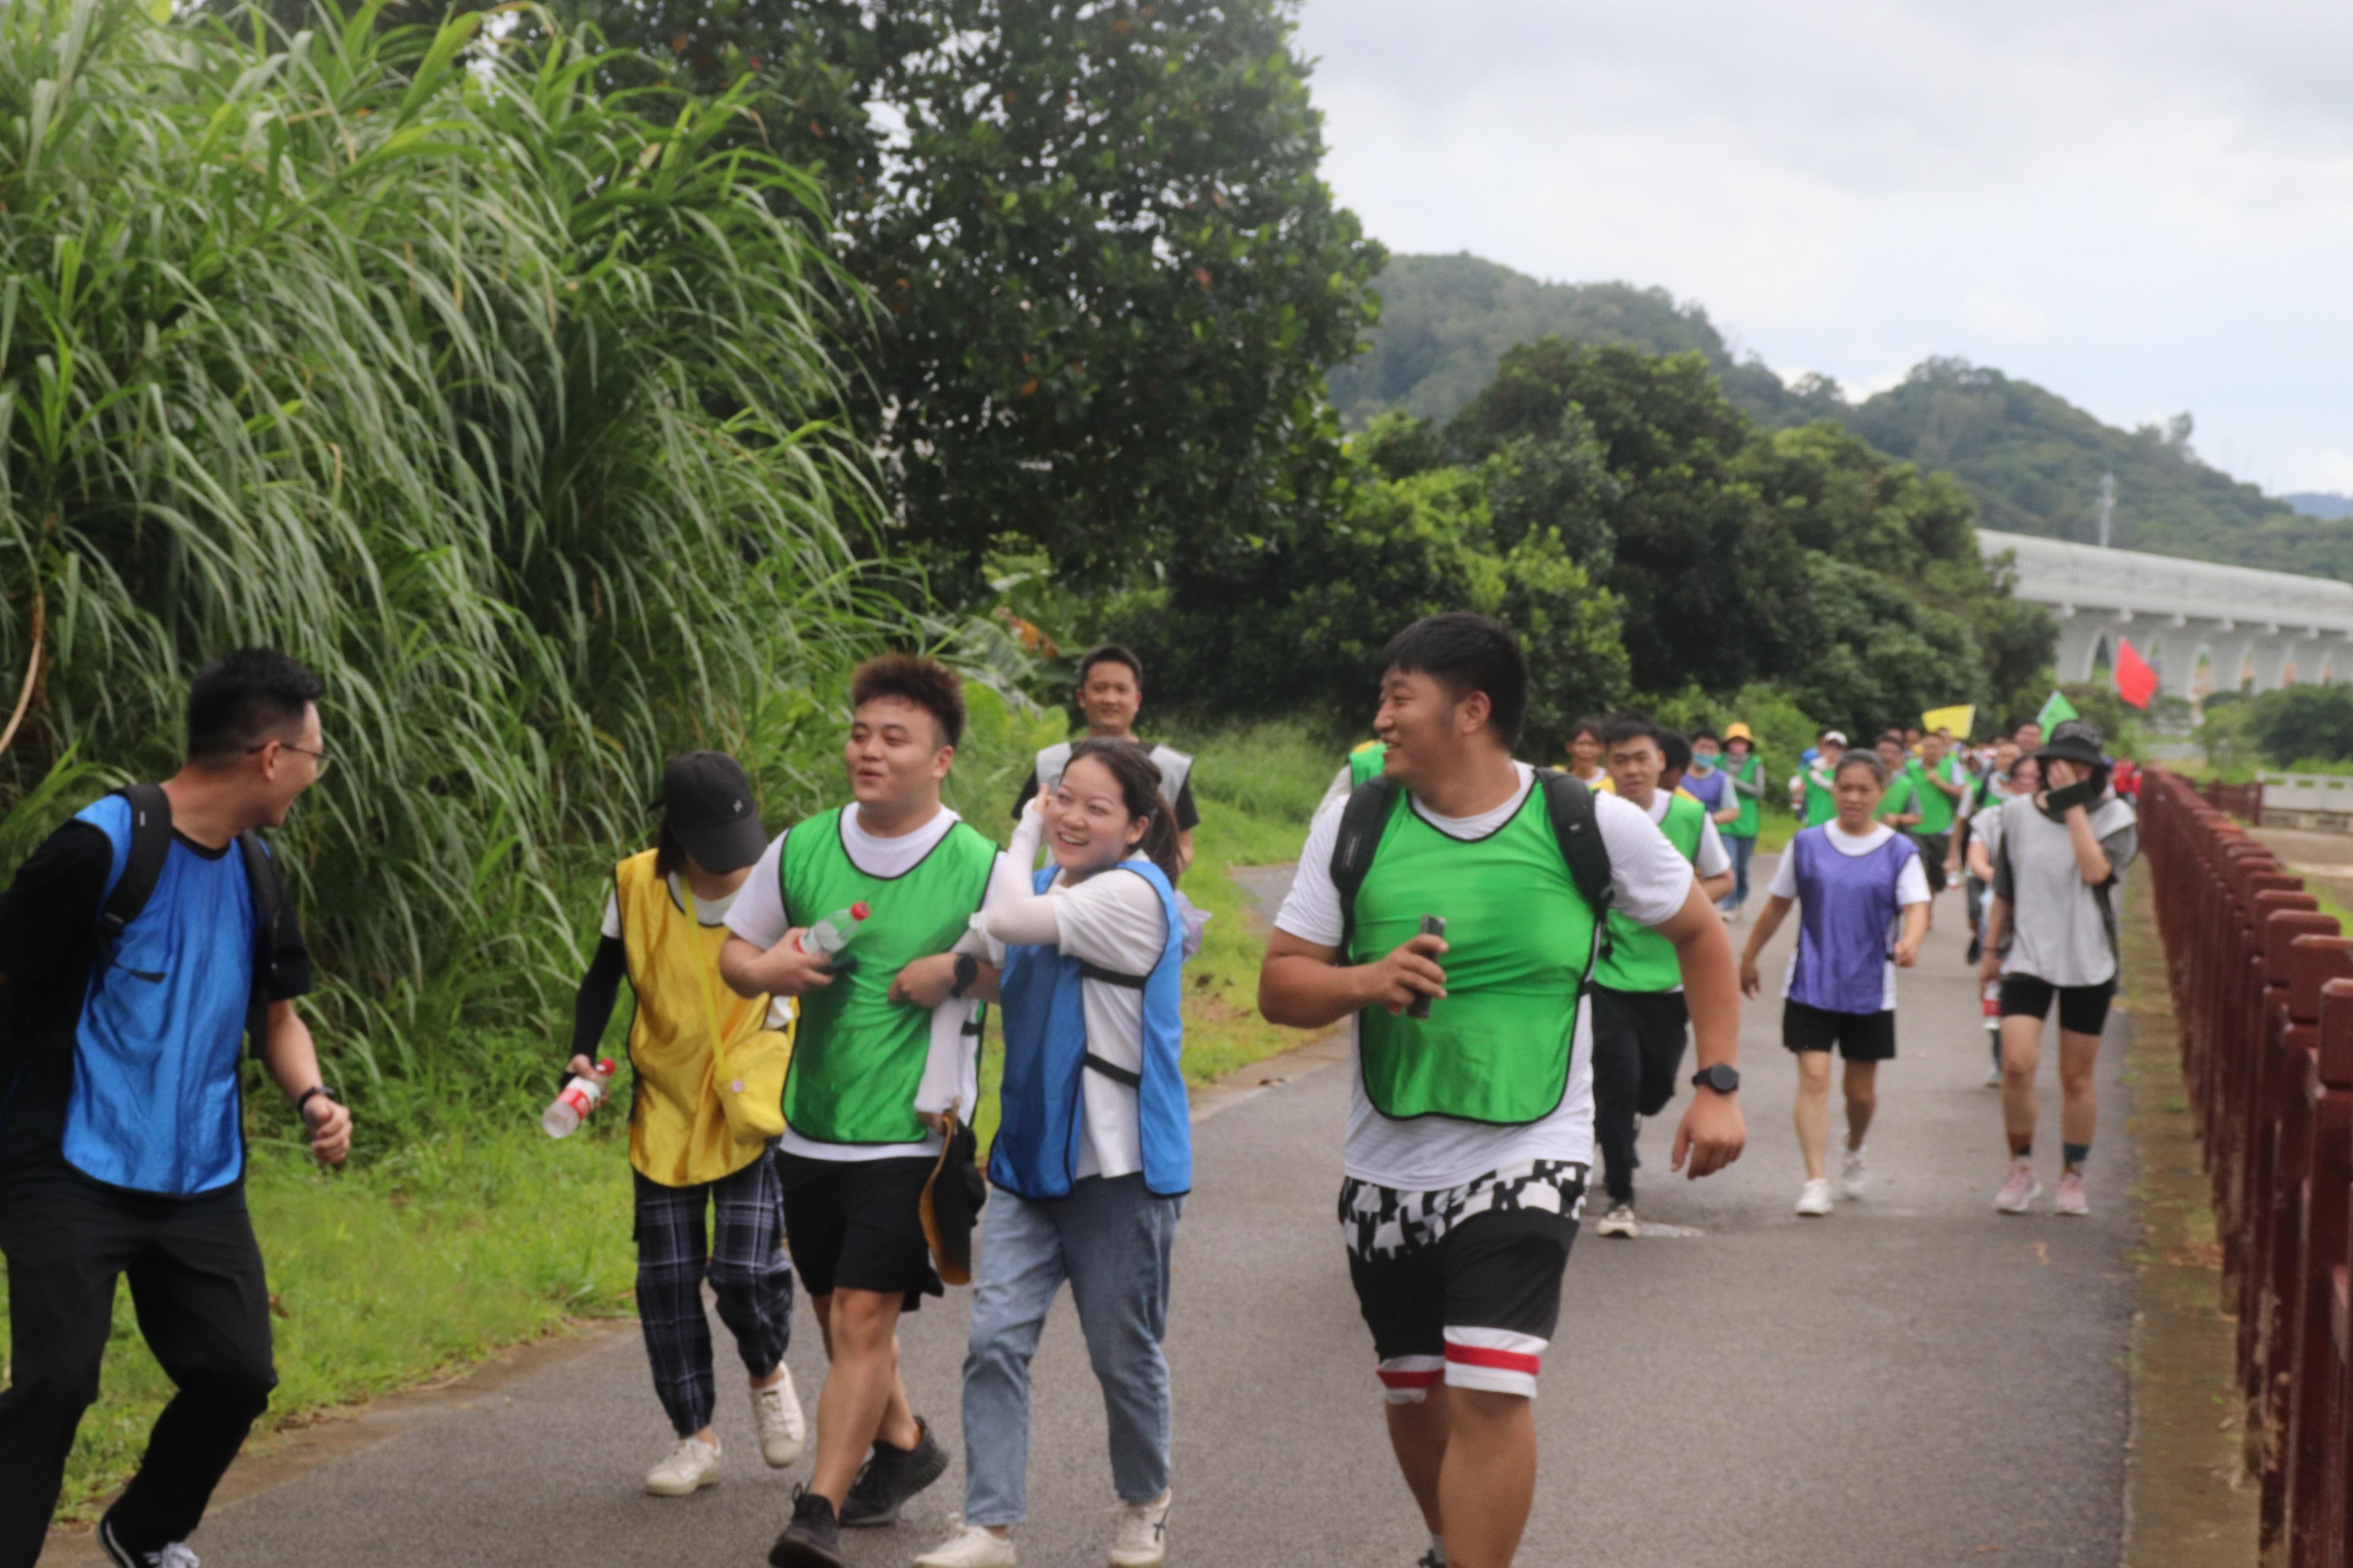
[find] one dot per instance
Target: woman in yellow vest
(707, 1075)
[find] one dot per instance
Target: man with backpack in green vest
(1639, 1015)
(884, 1061)
(144, 942)
(1471, 1133)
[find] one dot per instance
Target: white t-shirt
(950, 1072)
(1650, 883)
(1113, 920)
(1910, 887)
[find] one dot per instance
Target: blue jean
(1740, 849)
(1111, 1239)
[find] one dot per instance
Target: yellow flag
(1958, 719)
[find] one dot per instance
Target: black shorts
(1934, 847)
(1858, 1036)
(1470, 1298)
(2083, 1009)
(857, 1225)
(1656, 1025)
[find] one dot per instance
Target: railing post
(2261, 1122)
(2315, 1372)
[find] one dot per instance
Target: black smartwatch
(316, 1092)
(967, 970)
(1719, 1078)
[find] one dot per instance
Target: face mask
(1701, 764)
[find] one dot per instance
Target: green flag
(2055, 712)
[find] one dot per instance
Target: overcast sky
(2146, 206)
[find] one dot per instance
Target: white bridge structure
(2274, 628)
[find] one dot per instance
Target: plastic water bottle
(565, 1114)
(832, 933)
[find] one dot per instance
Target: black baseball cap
(707, 800)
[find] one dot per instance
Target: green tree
(1712, 583)
(2303, 723)
(1109, 276)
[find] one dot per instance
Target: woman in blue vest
(1863, 900)
(1093, 1154)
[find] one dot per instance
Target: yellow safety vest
(678, 1129)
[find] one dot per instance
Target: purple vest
(1846, 910)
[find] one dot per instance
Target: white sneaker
(692, 1465)
(784, 1430)
(1853, 1176)
(1142, 1538)
(970, 1547)
(1618, 1221)
(1993, 1076)
(1814, 1199)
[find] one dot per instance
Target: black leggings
(196, 1283)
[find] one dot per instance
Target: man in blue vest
(123, 1139)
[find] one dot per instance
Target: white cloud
(2132, 204)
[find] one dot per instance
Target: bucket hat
(2074, 740)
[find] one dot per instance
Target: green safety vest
(1821, 805)
(1520, 948)
(1745, 825)
(1936, 807)
(857, 1059)
(1637, 958)
(1901, 794)
(1364, 763)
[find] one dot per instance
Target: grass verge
(2189, 1505)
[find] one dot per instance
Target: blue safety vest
(1043, 1113)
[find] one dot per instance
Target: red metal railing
(2245, 801)
(2263, 989)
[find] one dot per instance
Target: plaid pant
(748, 1271)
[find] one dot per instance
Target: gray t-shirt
(2061, 930)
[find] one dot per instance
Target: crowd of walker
(803, 1061)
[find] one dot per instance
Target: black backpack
(1567, 802)
(150, 845)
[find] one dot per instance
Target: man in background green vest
(882, 1058)
(1938, 787)
(1471, 1131)
(1639, 1015)
(1745, 770)
(1813, 793)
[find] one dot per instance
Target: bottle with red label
(581, 1096)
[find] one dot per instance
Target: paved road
(1915, 1381)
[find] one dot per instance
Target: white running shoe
(1618, 1221)
(692, 1465)
(776, 1412)
(1142, 1538)
(1853, 1176)
(970, 1547)
(1814, 1199)
(1993, 1076)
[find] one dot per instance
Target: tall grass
(504, 404)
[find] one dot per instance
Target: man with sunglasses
(142, 943)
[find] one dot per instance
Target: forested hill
(2032, 460)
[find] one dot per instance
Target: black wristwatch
(316, 1092)
(1719, 1078)
(967, 970)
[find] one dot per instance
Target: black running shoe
(890, 1476)
(813, 1540)
(1976, 951)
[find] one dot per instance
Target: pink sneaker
(2071, 1199)
(2021, 1189)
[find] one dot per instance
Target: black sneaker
(1976, 951)
(175, 1555)
(890, 1476)
(813, 1540)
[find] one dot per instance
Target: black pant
(1638, 1054)
(196, 1284)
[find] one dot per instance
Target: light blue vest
(1043, 1113)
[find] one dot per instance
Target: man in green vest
(884, 1057)
(1745, 770)
(1813, 795)
(1938, 787)
(1471, 1129)
(1899, 807)
(1639, 1015)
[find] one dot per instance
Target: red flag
(2136, 681)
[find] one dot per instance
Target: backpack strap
(268, 898)
(1570, 805)
(150, 845)
(1361, 823)
(1112, 976)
